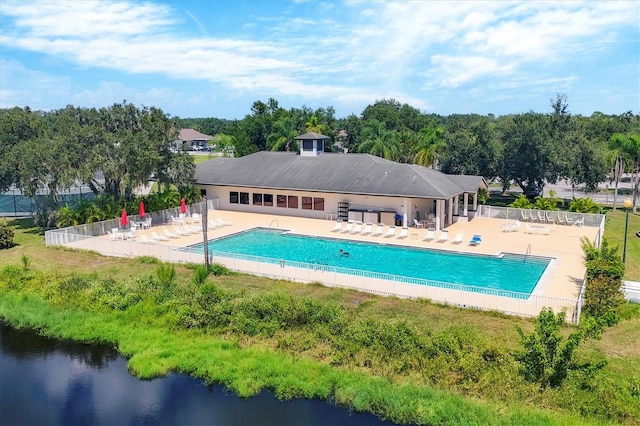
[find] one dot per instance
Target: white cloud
(20, 86)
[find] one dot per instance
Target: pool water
(508, 272)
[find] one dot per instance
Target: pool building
(343, 186)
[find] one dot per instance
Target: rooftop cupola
(311, 144)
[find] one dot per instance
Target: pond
(52, 382)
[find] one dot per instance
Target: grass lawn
(620, 345)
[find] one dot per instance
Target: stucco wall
(331, 200)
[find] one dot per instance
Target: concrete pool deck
(562, 279)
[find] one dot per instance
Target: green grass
(368, 360)
(614, 232)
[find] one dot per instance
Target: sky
(216, 58)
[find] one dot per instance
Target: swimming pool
(508, 272)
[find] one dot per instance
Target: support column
(439, 214)
(466, 204)
(475, 201)
(456, 207)
(450, 212)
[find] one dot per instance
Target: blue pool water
(508, 272)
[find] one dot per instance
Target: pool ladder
(527, 253)
(276, 221)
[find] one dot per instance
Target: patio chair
(541, 217)
(222, 222)
(337, 227)
(444, 237)
(367, 229)
(545, 231)
(475, 240)
(551, 218)
(404, 233)
(532, 216)
(146, 224)
(429, 236)
(523, 215)
(157, 237)
(528, 229)
(458, 239)
(169, 234)
(391, 232)
(379, 231)
(114, 234)
(347, 228)
(568, 219)
(418, 224)
(562, 218)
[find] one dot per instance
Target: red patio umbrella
(183, 206)
(141, 209)
(123, 219)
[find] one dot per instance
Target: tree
(283, 135)
(548, 357)
(378, 141)
(531, 156)
(313, 125)
(628, 148)
(431, 147)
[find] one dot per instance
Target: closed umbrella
(141, 210)
(183, 206)
(123, 219)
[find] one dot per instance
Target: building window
(307, 145)
(244, 198)
(281, 200)
(233, 197)
(320, 145)
(318, 204)
(307, 203)
(257, 199)
(268, 199)
(293, 202)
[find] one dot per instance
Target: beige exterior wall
(331, 200)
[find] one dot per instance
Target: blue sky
(215, 58)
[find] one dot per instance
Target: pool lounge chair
(223, 222)
(169, 234)
(391, 232)
(347, 228)
(429, 236)
(145, 240)
(337, 227)
(367, 229)
(379, 231)
(475, 240)
(356, 229)
(157, 237)
(444, 237)
(458, 239)
(404, 233)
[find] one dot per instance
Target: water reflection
(53, 382)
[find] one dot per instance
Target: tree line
(117, 148)
(527, 150)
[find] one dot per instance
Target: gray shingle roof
(329, 172)
(312, 135)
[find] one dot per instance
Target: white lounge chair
(157, 237)
(192, 229)
(458, 239)
(196, 218)
(169, 234)
(145, 240)
(114, 234)
(367, 229)
(181, 231)
(444, 237)
(528, 229)
(357, 229)
(347, 228)
(391, 232)
(337, 227)
(429, 236)
(379, 231)
(404, 233)
(222, 222)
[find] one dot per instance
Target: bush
(166, 273)
(6, 235)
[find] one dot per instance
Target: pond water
(51, 382)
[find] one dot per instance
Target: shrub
(584, 205)
(6, 235)
(547, 358)
(200, 274)
(218, 269)
(166, 273)
(603, 299)
(522, 202)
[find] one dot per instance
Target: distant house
(359, 187)
(193, 138)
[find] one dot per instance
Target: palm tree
(284, 133)
(431, 147)
(314, 126)
(628, 150)
(378, 141)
